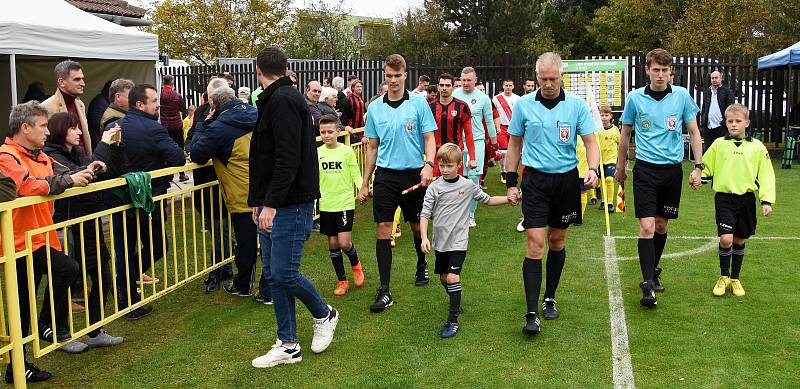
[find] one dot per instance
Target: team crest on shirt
(473, 101)
(410, 126)
(645, 123)
(672, 122)
(454, 113)
(564, 132)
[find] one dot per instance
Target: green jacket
(138, 191)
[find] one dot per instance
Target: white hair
(327, 92)
(549, 59)
(338, 83)
(219, 92)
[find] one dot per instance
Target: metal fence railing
(188, 250)
(764, 92)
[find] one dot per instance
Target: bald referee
(547, 123)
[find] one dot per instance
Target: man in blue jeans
(284, 182)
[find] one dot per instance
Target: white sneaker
(279, 355)
(472, 223)
(520, 228)
(103, 339)
(74, 347)
(323, 331)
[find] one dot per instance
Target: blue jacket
(148, 147)
(225, 137)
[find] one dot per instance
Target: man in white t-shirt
(504, 103)
(422, 86)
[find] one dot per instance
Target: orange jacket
(34, 175)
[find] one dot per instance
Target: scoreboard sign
(605, 77)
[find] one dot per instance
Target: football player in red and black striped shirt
(454, 121)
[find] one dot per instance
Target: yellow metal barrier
(175, 271)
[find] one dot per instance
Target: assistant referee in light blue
(547, 123)
(659, 111)
(401, 131)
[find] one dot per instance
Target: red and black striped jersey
(454, 122)
(359, 109)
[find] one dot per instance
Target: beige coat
(55, 104)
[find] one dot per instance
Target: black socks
(352, 255)
(736, 261)
(659, 241)
(454, 291)
(554, 266)
(532, 281)
(338, 266)
(647, 258)
(383, 253)
(420, 254)
(725, 261)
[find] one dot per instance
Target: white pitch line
(712, 244)
(716, 237)
(620, 351)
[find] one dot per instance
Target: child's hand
(426, 245)
(513, 196)
(694, 180)
(766, 209)
(363, 194)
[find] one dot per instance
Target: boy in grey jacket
(447, 202)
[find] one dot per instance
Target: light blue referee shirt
(400, 131)
(659, 124)
(481, 107)
(550, 135)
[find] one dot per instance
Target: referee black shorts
(387, 189)
(657, 189)
(549, 199)
(736, 214)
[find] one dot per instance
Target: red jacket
(172, 106)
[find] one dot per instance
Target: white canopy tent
(37, 34)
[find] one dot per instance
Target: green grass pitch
(692, 339)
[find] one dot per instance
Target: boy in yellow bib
(737, 166)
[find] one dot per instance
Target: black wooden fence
(764, 92)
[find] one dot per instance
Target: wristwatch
(700, 166)
(596, 171)
(429, 163)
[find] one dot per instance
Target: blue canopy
(787, 56)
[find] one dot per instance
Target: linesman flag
(621, 199)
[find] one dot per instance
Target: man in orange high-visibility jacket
(36, 174)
